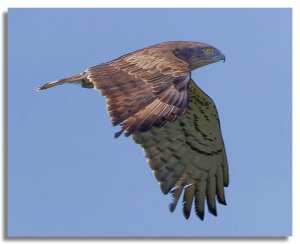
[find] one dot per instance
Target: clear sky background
(68, 176)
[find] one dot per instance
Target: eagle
(150, 93)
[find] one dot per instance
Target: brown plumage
(151, 95)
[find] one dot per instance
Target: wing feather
(211, 194)
(220, 188)
(200, 199)
(176, 193)
(188, 155)
(143, 89)
(188, 197)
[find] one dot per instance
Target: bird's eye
(208, 50)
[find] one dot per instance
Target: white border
(5, 4)
(147, 3)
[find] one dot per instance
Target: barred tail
(80, 78)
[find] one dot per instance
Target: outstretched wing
(143, 89)
(188, 155)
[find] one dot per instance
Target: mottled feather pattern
(144, 89)
(188, 155)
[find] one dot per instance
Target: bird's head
(197, 54)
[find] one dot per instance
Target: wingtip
(198, 212)
(213, 212)
(186, 216)
(118, 134)
(186, 213)
(201, 216)
(172, 207)
(222, 201)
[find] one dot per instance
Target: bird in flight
(151, 95)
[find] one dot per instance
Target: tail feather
(80, 78)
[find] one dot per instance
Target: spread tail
(80, 78)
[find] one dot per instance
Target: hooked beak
(222, 57)
(197, 63)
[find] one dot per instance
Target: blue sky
(68, 176)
